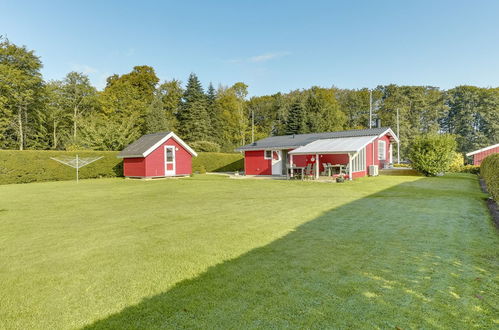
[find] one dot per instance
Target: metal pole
(370, 108)
(398, 136)
(76, 168)
(252, 125)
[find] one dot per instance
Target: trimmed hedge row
(489, 170)
(35, 165)
(217, 162)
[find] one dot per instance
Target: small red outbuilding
(479, 155)
(157, 155)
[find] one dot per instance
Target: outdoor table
(330, 167)
(293, 168)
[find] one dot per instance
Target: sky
(272, 46)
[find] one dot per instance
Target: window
(359, 161)
(276, 155)
(381, 150)
(268, 154)
(169, 155)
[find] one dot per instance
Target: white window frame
(359, 161)
(265, 154)
(381, 156)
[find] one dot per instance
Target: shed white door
(276, 162)
(169, 160)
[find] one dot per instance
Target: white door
(169, 160)
(276, 162)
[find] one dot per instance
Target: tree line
(71, 114)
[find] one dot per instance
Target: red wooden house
(479, 155)
(353, 150)
(157, 155)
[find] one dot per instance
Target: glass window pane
(169, 155)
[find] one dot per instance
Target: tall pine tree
(295, 123)
(193, 117)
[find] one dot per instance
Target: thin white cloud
(267, 57)
(83, 68)
(260, 58)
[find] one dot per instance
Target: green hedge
(35, 165)
(489, 170)
(217, 162)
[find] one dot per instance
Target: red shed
(479, 155)
(157, 155)
(353, 153)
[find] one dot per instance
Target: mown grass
(212, 252)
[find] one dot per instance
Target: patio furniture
(291, 171)
(309, 173)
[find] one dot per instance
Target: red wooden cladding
(154, 164)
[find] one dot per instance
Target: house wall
(256, 164)
(479, 157)
(155, 161)
(134, 167)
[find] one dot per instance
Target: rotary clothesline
(76, 162)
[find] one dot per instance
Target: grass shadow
(410, 260)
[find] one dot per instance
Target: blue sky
(273, 46)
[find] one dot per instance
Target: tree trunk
(54, 143)
(21, 131)
(74, 122)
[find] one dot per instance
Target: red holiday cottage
(157, 155)
(479, 155)
(352, 154)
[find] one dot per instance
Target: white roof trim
(389, 130)
(321, 146)
(481, 150)
(160, 142)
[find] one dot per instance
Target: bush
(432, 154)
(489, 170)
(402, 165)
(473, 169)
(217, 162)
(205, 146)
(457, 164)
(35, 165)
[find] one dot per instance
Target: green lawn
(213, 252)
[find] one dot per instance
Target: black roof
(298, 140)
(144, 143)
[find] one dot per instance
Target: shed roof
(482, 150)
(334, 146)
(299, 140)
(149, 142)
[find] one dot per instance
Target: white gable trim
(481, 150)
(389, 130)
(160, 142)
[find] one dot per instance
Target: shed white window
(359, 161)
(268, 154)
(381, 150)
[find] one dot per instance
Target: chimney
(378, 123)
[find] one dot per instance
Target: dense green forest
(71, 114)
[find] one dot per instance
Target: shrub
(402, 165)
(218, 162)
(457, 163)
(489, 170)
(432, 154)
(473, 169)
(205, 146)
(35, 165)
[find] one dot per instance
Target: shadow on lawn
(403, 265)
